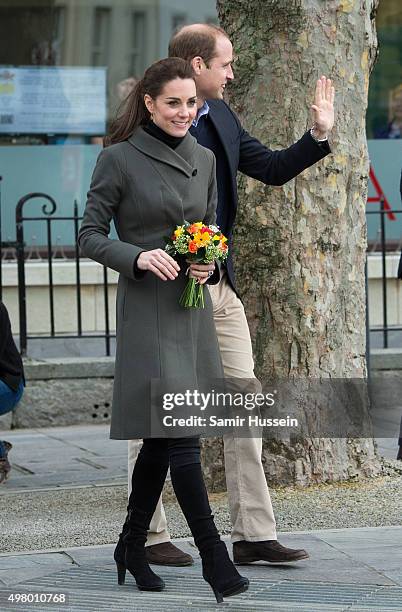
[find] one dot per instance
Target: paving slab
(354, 570)
(338, 583)
(64, 456)
(80, 454)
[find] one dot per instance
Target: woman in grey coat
(152, 177)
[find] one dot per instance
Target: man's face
(211, 81)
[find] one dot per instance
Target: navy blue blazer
(249, 156)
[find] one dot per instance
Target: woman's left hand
(200, 271)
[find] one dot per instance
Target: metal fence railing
(22, 255)
(19, 252)
(384, 248)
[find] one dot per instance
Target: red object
(380, 195)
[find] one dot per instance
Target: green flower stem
(193, 295)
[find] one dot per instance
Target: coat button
(195, 171)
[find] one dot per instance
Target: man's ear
(197, 64)
(149, 103)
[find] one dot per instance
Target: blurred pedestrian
(11, 382)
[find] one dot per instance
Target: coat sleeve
(210, 217)
(277, 167)
(103, 201)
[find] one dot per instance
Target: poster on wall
(52, 100)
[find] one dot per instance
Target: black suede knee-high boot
(119, 553)
(149, 475)
(191, 493)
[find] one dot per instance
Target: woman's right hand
(159, 263)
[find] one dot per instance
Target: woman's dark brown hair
(132, 112)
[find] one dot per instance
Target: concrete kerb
(71, 367)
(78, 390)
(68, 549)
(349, 532)
(386, 359)
(68, 391)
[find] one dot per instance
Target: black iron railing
(48, 217)
(5, 245)
(381, 247)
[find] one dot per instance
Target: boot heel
(221, 574)
(218, 594)
(121, 573)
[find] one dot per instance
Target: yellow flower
(178, 232)
(202, 239)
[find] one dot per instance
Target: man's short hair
(188, 42)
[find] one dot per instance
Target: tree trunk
(303, 279)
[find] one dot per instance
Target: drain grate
(95, 589)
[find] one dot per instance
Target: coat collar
(178, 158)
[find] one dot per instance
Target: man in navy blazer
(218, 128)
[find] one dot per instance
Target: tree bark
(300, 249)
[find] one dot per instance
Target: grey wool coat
(147, 188)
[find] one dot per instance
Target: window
(101, 35)
(139, 43)
(384, 125)
(178, 20)
(59, 29)
(384, 117)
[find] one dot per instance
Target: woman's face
(175, 108)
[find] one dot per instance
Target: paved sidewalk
(60, 457)
(349, 570)
(83, 455)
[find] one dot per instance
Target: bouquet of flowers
(200, 244)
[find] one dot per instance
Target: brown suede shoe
(167, 553)
(268, 550)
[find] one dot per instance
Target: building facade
(65, 65)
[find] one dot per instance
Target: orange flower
(192, 246)
(202, 239)
(224, 247)
(194, 228)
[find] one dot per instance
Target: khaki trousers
(250, 504)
